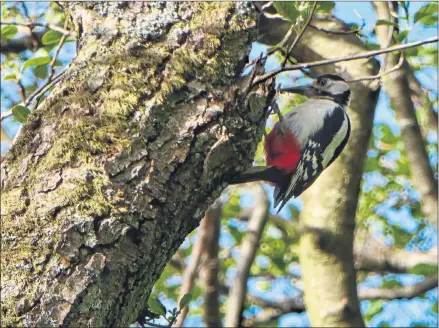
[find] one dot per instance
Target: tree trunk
(119, 164)
(397, 88)
(328, 216)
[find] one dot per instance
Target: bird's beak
(308, 91)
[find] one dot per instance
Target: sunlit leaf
(156, 306)
(185, 300)
(399, 37)
(426, 15)
(287, 10)
(11, 76)
(325, 6)
(51, 37)
(375, 307)
(8, 32)
(36, 62)
(424, 269)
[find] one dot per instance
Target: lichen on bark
(119, 164)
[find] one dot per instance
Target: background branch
(211, 315)
(191, 271)
(398, 90)
(256, 225)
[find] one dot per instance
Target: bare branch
(299, 36)
(210, 271)
(6, 114)
(248, 250)
(399, 292)
(35, 24)
(274, 310)
(191, 271)
(398, 90)
(363, 55)
(374, 256)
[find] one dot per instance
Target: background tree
(78, 232)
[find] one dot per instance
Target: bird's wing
(321, 149)
(309, 168)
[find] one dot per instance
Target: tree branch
(248, 251)
(210, 271)
(398, 90)
(399, 292)
(191, 271)
(273, 310)
(363, 55)
(374, 256)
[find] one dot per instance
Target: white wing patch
(328, 154)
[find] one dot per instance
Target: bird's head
(328, 86)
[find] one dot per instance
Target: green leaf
(11, 76)
(375, 307)
(424, 269)
(51, 37)
(371, 164)
(41, 71)
(391, 283)
(426, 15)
(325, 6)
(371, 46)
(385, 22)
(20, 113)
(399, 37)
(434, 308)
(36, 62)
(156, 306)
(185, 300)
(387, 135)
(287, 10)
(236, 234)
(8, 32)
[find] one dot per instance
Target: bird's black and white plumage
(307, 140)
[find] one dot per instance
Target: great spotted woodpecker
(306, 141)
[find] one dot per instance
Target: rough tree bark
(328, 215)
(119, 164)
(398, 89)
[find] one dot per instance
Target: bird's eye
(322, 82)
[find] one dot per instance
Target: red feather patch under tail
(282, 150)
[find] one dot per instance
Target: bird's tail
(260, 173)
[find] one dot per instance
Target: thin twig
(55, 55)
(380, 75)
(35, 24)
(299, 36)
(39, 92)
(47, 86)
(6, 114)
(366, 54)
